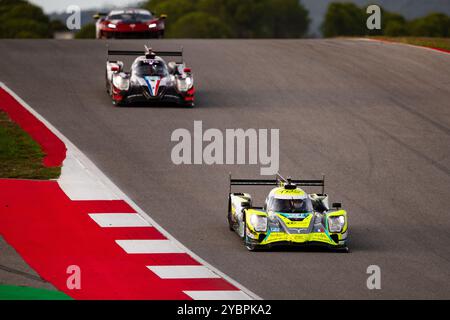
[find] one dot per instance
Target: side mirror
(336, 205)
(96, 16)
(163, 16)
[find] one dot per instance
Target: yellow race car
(290, 216)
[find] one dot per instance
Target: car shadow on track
(154, 105)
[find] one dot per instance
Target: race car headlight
(185, 84)
(152, 25)
(121, 83)
(336, 223)
(112, 26)
(189, 82)
(259, 223)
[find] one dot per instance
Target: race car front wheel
(344, 250)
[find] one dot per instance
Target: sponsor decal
(153, 84)
(295, 215)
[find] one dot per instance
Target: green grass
(439, 43)
(28, 293)
(20, 156)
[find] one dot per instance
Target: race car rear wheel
(107, 84)
(230, 221)
(118, 103)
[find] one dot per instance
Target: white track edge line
(103, 178)
(400, 44)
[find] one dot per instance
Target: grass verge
(438, 43)
(27, 293)
(20, 156)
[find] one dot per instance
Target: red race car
(129, 24)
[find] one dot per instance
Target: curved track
(374, 117)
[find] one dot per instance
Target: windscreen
(151, 68)
(291, 205)
(131, 17)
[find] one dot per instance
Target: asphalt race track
(374, 117)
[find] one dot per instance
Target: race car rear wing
(279, 181)
(144, 52)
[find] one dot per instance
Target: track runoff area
(120, 252)
(82, 234)
(367, 126)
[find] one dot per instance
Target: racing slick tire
(344, 250)
(230, 225)
(107, 84)
(118, 104)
